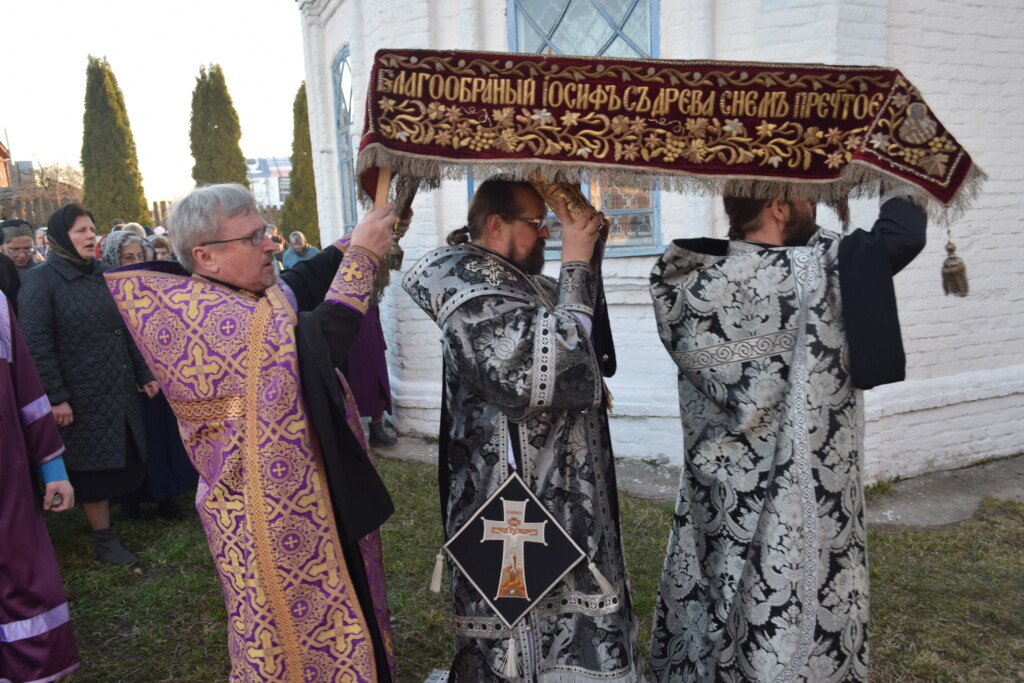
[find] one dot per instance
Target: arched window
(608, 28)
(342, 74)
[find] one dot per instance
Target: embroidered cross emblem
(164, 337)
(350, 272)
(266, 653)
(234, 569)
(199, 370)
(192, 298)
(494, 273)
(222, 508)
(279, 470)
(291, 541)
(513, 532)
(228, 327)
(131, 302)
(341, 631)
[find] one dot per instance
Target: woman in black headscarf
(91, 370)
(10, 281)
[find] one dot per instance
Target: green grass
(947, 603)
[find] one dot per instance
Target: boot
(379, 437)
(109, 548)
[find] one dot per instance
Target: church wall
(966, 359)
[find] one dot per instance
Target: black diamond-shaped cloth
(513, 551)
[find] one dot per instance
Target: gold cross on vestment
(513, 532)
(340, 632)
(232, 566)
(200, 370)
(192, 297)
(265, 654)
(131, 303)
(351, 271)
(222, 509)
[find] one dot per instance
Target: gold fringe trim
(858, 180)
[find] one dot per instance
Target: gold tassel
(511, 668)
(395, 253)
(435, 579)
(954, 273)
(602, 583)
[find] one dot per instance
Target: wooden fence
(37, 210)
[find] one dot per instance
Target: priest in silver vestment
(775, 332)
(523, 392)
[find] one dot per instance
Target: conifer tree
(299, 211)
(215, 131)
(111, 182)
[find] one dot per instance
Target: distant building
(5, 174)
(269, 179)
(16, 177)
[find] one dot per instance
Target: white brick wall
(964, 399)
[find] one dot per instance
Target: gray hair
(297, 236)
(197, 217)
(110, 247)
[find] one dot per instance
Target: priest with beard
(775, 331)
(523, 393)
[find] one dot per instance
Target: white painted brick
(964, 399)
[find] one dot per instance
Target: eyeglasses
(20, 250)
(255, 238)
(538, 223)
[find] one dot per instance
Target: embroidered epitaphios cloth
(811, 131)
(520, 372)
(227, 362)
(765, 576)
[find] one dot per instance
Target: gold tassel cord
(954, 273)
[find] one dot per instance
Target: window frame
(343, 139)
(512, 13)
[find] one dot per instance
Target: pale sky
(155, 49)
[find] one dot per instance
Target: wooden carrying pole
(380, 198)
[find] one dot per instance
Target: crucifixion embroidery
(513, 531)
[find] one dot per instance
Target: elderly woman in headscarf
(169, 472)
(91, 371)
(19, 245)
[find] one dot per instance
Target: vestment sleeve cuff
(576, 288)
(353, 283)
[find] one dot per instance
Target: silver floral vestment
(765, 577)
(519, 366)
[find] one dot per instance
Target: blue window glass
(342, 73)
(608, 28)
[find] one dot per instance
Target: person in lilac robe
(289, 499)
(36, 640)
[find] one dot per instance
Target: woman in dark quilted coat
(91, 371)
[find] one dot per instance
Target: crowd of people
(765, 572)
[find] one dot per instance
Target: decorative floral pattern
(765, 577)
(519, 367)
(642, 118)
(228, 364)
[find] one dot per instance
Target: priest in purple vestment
(36, 641)
(289, 499)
